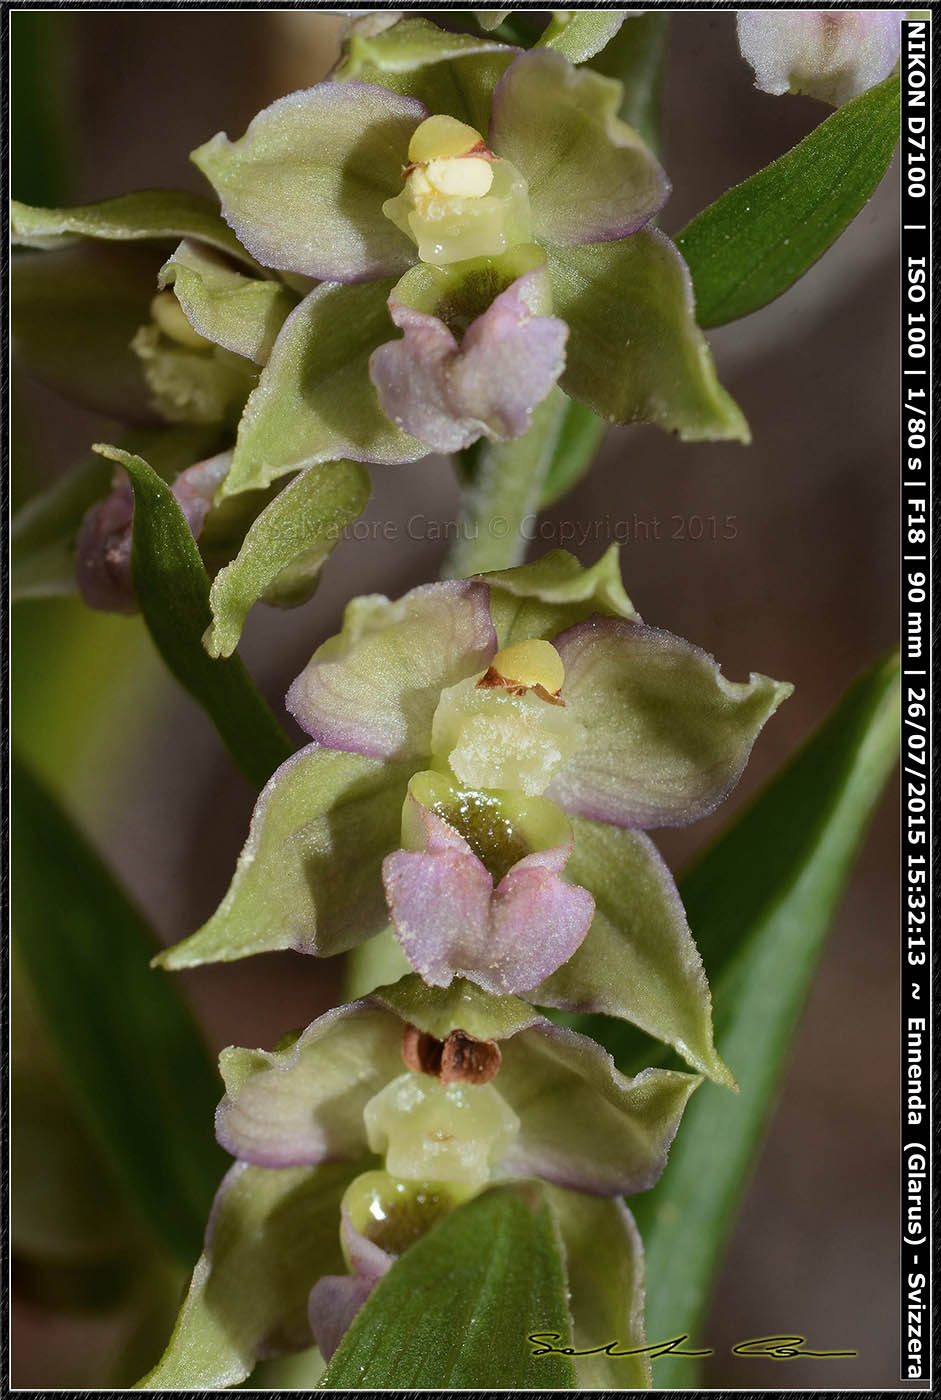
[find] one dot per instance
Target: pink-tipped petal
(448, 395)
(451, 922)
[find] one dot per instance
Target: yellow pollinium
(171, 318)
(441, 137)
(530, 664)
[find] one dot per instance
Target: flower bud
(831, 54)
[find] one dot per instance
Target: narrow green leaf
(283, 552)
(759, 904)
(143, 214)
(457, 1309)
(173, 592)
(761, 236)
(131, 1054)
(43, 531)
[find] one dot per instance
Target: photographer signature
(783, 1348)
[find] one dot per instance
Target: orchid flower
(383, 1116)
(486, 756)
(834, 55)
(432, 185)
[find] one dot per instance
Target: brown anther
(466, 1060)
(492, 680)
(421, 1052)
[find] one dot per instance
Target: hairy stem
(505, 487)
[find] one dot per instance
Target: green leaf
(760, 903)
(283, 552)
(44, 529)
(309, 875)
(761, 236)
(638, 960)
(274, 1232)
(243, 314)
(580, 34)
(173, 592)
(144, 214)
(453, 74)
(315, 401)
(128, 1048)
(457, 1308)
(73, 315)
(635, 353)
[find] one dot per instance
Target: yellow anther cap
(530, 664)
(440, 137)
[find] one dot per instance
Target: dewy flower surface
(355, 1139)
(486, 754)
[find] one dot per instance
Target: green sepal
(315, 401)
(457, 1308)
(462, 1006)
(638, 961)
(309, 875)
(580, 34)
(554, 592)
(242, 314)
(635, 352)
(146, 214)
(604, 1260)
(273, 1233)
(453, 74)
(760, 237)
(285, 548)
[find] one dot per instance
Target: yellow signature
(781, 1348)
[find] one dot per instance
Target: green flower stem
(505, 486)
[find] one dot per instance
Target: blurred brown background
(805, 590)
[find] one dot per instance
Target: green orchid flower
(381, 1119)
(486, 757)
